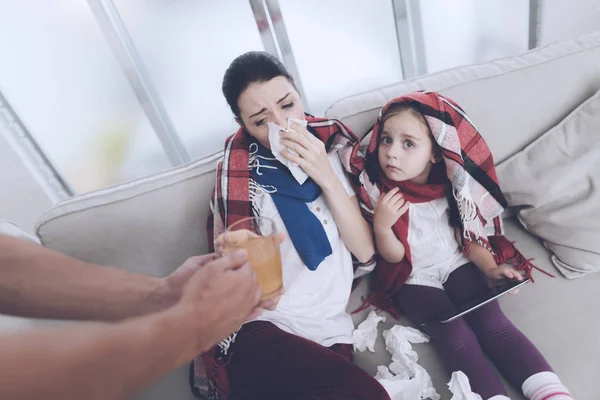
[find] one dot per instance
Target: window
(61, 78)
(186, 46)
(65, 77)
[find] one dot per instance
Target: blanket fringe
(506, 252)
(381, 303)
(526, 264)
(216, 372)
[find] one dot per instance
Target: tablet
(485, 297)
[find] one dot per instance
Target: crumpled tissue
(365, 335)
(405, 379)
(277, 147)
(461, 388)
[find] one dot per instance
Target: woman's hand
(312, 156)
(271, 304)
(390, 207)
(313, 159)
(237, 238)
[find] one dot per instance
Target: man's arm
(40, 283)
(114, 361)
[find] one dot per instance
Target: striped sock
(545, 386)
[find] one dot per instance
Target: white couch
(152, 225)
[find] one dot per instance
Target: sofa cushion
(547, 83)
(150, 225)
(555, 182)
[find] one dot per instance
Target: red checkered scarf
(232, 197)
(471, 177)
(231, 202)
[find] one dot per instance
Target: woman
(301, 348)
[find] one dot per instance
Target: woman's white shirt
(314, 303)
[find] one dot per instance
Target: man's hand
(241, 236)
(173, 284)
(220, 297)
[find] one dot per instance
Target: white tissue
(277, 147)
(400, 388)
(398, 342)
(365, 335)
(405, 379)
(461, 388)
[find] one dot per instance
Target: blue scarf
(305, 229)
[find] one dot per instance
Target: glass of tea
(258, 236)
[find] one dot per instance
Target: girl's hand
(390, 207)
(505, 272)
(312, 156)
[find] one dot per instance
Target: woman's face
(271, 101)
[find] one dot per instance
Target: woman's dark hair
(254, 66)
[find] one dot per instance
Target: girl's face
(271, 101)
(405, 148)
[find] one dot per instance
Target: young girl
(431, 192)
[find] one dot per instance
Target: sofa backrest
(150, 225)
(153, 224)
(511, 101)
